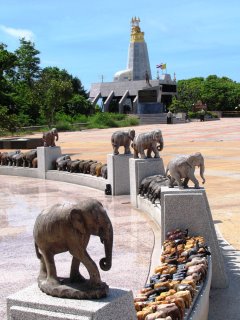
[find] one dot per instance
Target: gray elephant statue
(60, 159)
(150, 141)
(28, 157)
(68, 227)
(183, 167)
(122, 138)
(49, 138)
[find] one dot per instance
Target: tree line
(30, 95)
(218, 93)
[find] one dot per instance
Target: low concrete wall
(19, 171)
(200, 306)
(77, 178)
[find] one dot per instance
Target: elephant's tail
(37, 251)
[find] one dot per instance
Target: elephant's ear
(191, 160)
(78, 221)
(131, 133)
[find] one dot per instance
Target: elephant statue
(60, 159)
(10, 157)
(148, 141)
(104, 171)
(122, 138)
(183, 167)
(28, 157)
(35, 163)
(17, 159)
(49, 138)
(68, 227)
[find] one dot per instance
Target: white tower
(138, 60)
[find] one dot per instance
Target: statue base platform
(31, 303)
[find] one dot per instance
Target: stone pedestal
(46, 157)
(118, 173)
(30, 303)
(140, 169)
(189, 208)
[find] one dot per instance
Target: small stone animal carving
(17, 159)
(183, 167)
(150, 141)
(81, 165)
(28, 157)
(49, 138)
(104, 171)
(62, 164)
(64, 157)
(93, 168)
(99, 169)
(122, 138)
(68, 227)
(143, 188)
(74, 165)
(35, 163)
(4, 158)
(10, 156)
(86, 166)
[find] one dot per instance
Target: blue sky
(90, 38)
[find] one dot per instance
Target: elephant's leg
(185, 182)
(91, 268)
(194, 180)
(51, 268)
(171, 182)
(127, 148)
(43, 270)
(141, 151)
(178, 180)
(115, 149)
(135, 154)
(149, 152)
(75, 275)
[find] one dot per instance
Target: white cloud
(18, 33)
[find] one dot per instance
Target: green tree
(53, 90)
(7, 64)
(78, 104)
(28, 62)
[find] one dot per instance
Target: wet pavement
(21, 200)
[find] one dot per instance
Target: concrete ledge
(154, 210)
(19, 171)
(31, 303)
(200, 306)
(77, 178)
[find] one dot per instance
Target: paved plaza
(22, 199)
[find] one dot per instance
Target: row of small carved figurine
(175, 282)
(19, 159)
(95, 168)
(150, 187)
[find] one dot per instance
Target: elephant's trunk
(160, 146)
(106, 263)
(56, 136)
(202, 168)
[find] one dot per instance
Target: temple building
(133, 90)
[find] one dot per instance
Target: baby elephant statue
(68, 227)
(148, 141)
(49, 138)
(183, 167)
(122, 138)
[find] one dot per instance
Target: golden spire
(136, 34)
